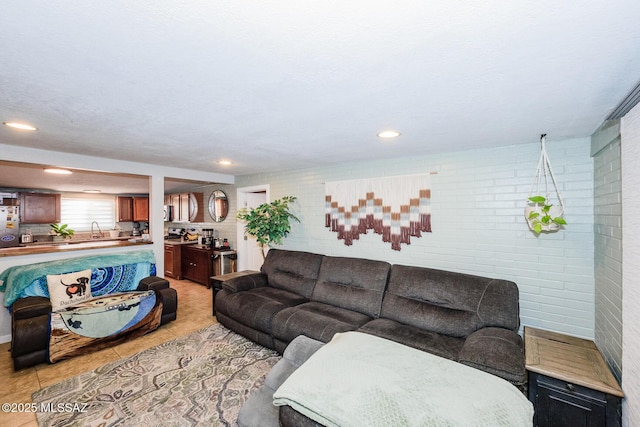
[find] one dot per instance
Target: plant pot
(58, 238)
(114, 233)
(554, 212)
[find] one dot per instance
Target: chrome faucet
(95, 235)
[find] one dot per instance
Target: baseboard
(5, 338)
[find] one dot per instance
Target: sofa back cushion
(292, 271)
(450, 303)
(352, 283)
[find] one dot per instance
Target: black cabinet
(561, 403)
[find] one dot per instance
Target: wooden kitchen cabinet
(124, 208)
(175, 207)
(39, 208)
(173, 261)
(132, 209)
(187, 207)
(141, 209)
(197, 263)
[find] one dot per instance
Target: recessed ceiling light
(58, 171)
(22, 126)
(388, 134)
(91, 191)
(224, 162)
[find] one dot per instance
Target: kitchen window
(79, 213)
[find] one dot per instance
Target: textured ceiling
(292, 84)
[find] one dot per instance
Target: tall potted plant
(269, 223)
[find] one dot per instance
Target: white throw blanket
(363, 380)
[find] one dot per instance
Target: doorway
(249, 254)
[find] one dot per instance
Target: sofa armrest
(259, 410)
(296, 353)
(153, 283)
(245, 283)
(25, 308)
(29, 331)
(498, 351)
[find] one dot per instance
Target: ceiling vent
(627, 104)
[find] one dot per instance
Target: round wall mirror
(218, 205)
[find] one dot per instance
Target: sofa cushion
(432, 342)
(255, 308)
(315, 320)
(292, 271)
(449, 303)
(352, 283)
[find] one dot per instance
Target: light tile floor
(194, 312)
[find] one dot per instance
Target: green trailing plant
(62, 230)
(543, 217)
(269, 223)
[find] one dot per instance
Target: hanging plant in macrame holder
(541, 213)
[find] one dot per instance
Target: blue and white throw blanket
(110, 273)
(363, 380)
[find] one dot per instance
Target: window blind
(80, 213)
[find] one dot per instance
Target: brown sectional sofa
(470, 319)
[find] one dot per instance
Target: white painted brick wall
(630, 134)
(608, 254)
(478, 198)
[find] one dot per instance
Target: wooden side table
(217, 281)
(570, 384)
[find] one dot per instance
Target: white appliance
(9, 226)
(167, 212)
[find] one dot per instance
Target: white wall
(630, 134)
(478, 198)
(156, 194)
(607, 195)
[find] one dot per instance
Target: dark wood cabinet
(141, 209)
(124, 208)
(197, 263)
(580, 391)
(132, 208)
(39, 208)
(173, 261)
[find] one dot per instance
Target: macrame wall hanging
(397, 208)
(541, 213)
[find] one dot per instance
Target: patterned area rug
(199, 379)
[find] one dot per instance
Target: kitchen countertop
(215, 250)
(180, 242)
(74, 241)
(54, 247)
